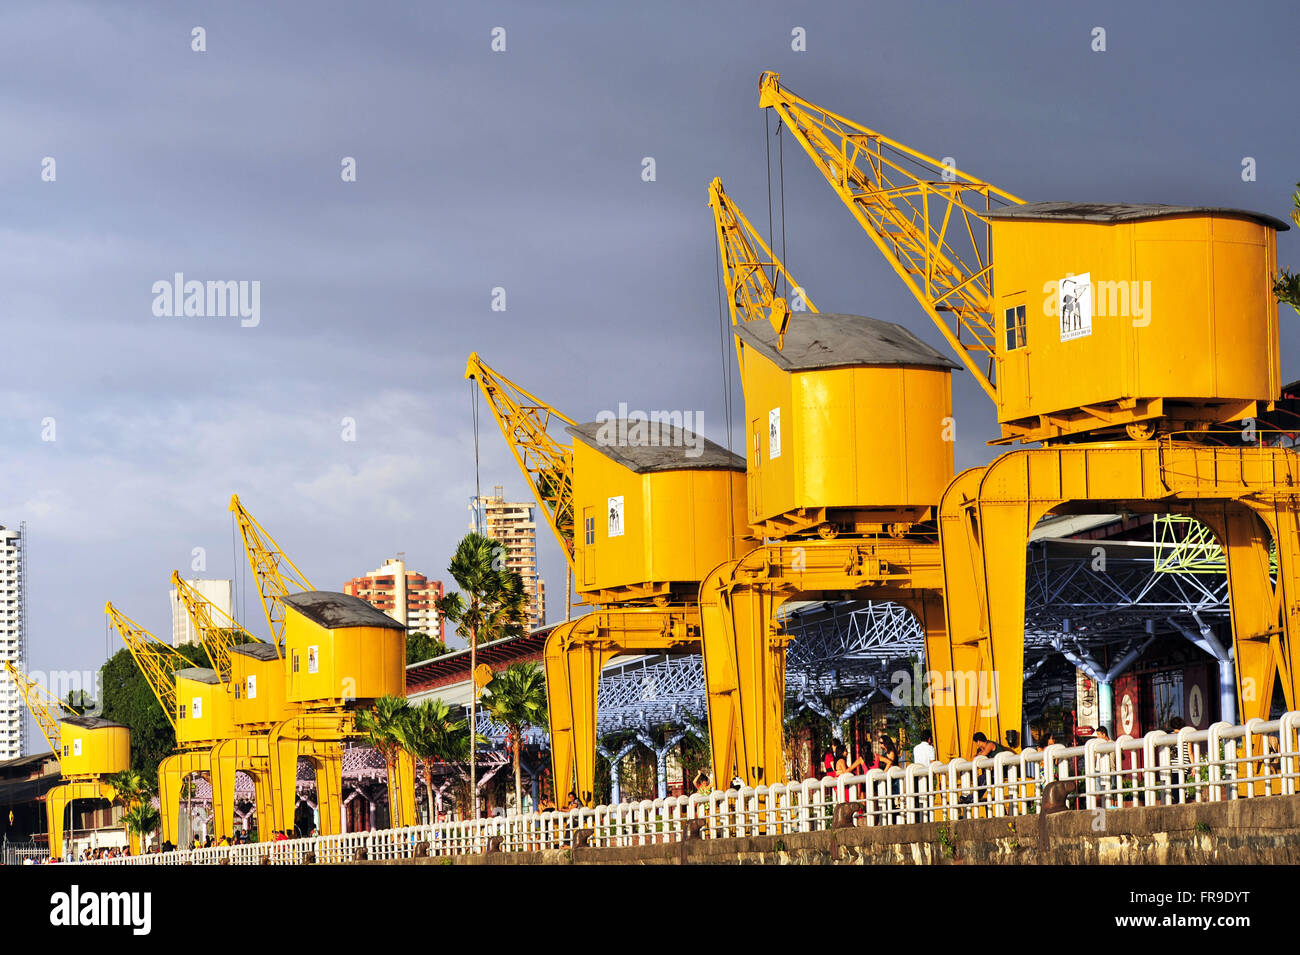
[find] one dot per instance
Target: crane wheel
(1141, 430)
(827, 531)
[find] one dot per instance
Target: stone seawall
(1259, 831)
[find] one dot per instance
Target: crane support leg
(984, 536)
(572, 679)
(1283, 522)
(249, 754)
(965, 613)
(744, 677)
(576, 652)
(60, 797)
(744, 646)
(927, 607)
(319, 737)
(172, 773)
(1244, 538)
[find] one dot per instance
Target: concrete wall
(1256, 831)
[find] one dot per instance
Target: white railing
(1160, 769)
(16, 856)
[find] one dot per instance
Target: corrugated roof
(333, 610)
(259, 651)
(90, 722)
(1125, 212)
(198, 675)
(676, 450)
(836, 340)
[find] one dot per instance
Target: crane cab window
(295, 661)
(182, 711)
(1015, 326)
(589, 531)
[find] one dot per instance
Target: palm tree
(382, 725)
(490, 606)
(136, 790)
(141, 818)
(1287, 285)
(516, 698)
(430, 734)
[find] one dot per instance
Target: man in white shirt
(923, 753)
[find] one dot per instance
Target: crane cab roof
(1115, 212)
(333, 610)
(675, 450)
(198, 675)
(90, 722)
(258, 651)
(835, 340)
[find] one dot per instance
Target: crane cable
(726, 397)
(478, 491)
(780, 153)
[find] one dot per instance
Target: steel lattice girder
(1107, 589)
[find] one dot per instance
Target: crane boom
(546, 463)
(276, 575)
(217, 630)
(926, 217)
(751, 290)
(158, 661)
(46, 708)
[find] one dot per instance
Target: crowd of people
(884, 753)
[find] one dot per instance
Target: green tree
(136, 790)
(420, 647)
(432, 735)
(516, 698)
(489, 606)
(142, 819)
(129, 700)
(382, 725)
(1287, 285)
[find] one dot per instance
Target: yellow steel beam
(1244, 494)
(61, 796)
(744, 645)
(276, 574)
(251, 755)
(546, 464)
(172, 772)
(217, 630)
(751, 290)
(46, 708)
(576, 652)
(319, 738)
(158, 661)
(926, 217)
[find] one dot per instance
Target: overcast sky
(478, 169)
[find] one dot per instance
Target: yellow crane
(237, 656)
(276, 575)
(333, 651)
(197, 704)
(1100, 327)
(89, 750)
(838, 514)
(652, 521)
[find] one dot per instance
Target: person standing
(923, 753)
